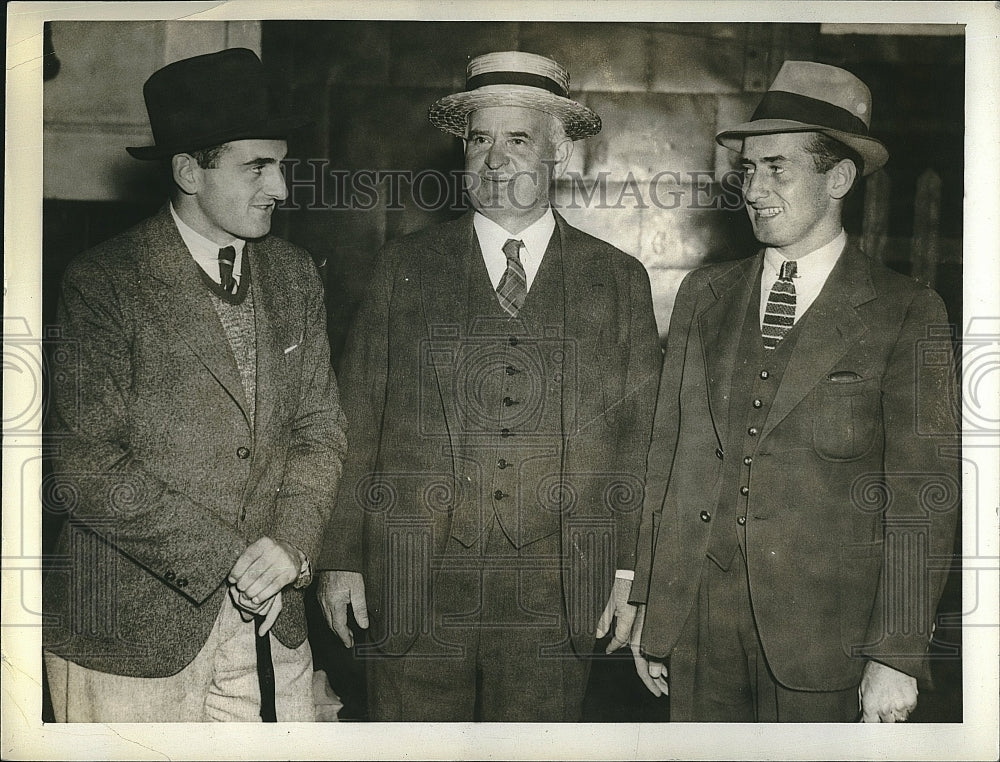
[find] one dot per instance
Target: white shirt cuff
(624, 574)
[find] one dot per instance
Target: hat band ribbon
(778, 104)
(515, 78)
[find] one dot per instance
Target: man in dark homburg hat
(803, 480)
(500, 379)
(197, 431)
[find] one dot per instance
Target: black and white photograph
(549, 380)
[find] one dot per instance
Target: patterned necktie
(513, 287)
(227, 257)
(779, 314)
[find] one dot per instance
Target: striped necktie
(513, 287)
(779, 314)
(227, 258)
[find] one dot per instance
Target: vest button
(243, 453)
(169, 576)
(764, 374)
(243, 515)
(744, 490)
(706, 516)
(747, 460)
(510, 370)
(182, 582)
(502, 463)
(499, 495)
(505, 433)
(513, 341)
(507, 402)
(757, 403)
(718, 453)
(752, 431)
(742, 520)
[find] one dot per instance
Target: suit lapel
(831, 327)
(183, 303)
(269, 317)
(587, 304)
(721, 325)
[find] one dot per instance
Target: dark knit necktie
(227, 258)
(779, 314)
(513, 287)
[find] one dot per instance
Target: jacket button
(243, 515)
(507, 401)
(747, 460)
(182, 582)
(752, 431)
(243, 453)
(757, 403)
(499, 495)
(718, 453)
(742, 520)
(706, 516)
(744, 490)
(764, 375)
(502, 463)
(505, 433)
(169, 576)
(511, 370)
(513, 341)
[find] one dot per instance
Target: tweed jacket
(854, 487)
(163, 477)
(404, 464)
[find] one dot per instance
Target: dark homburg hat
(208, 100)
(814, 97)
(513, 78)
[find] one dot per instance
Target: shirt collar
(535, 237)
(199, 246)
(820, 260)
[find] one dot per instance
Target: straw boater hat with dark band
(815, 97)
(513, 78)
(209, 100)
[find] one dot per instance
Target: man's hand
(264, 568)
(887, 695)
(336, 591)
(248, 609)
(652, 673)
(621, 610)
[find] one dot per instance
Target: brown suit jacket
(405, 440)
(854, 489)
(163, 478)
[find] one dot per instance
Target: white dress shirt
(812, 270)
(206, 252)
(535, 238)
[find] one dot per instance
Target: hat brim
(872, 151)
(451, 113)
(272, 129)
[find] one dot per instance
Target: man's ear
(840, 179)
(563, 153)
(186, 173)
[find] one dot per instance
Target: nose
(274, 183)
(754, 187)
(496, 157)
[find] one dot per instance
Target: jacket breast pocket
(846, 417)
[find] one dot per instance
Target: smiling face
(793, 207)
(513, 154)
(235, 198)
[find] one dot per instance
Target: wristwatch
(305, 573)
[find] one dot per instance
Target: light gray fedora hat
(814, 97)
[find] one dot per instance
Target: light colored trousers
(220, 685)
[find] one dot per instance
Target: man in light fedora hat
(803, 482)
(197, 430)
(499, 379)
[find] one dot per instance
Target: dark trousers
(718, 671)
(498, 649)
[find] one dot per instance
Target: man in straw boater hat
(500, 379)
(199, 431)
(803, 480)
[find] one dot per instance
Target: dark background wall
(662, 89)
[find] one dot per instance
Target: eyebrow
(260, 160)
(764, 160)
